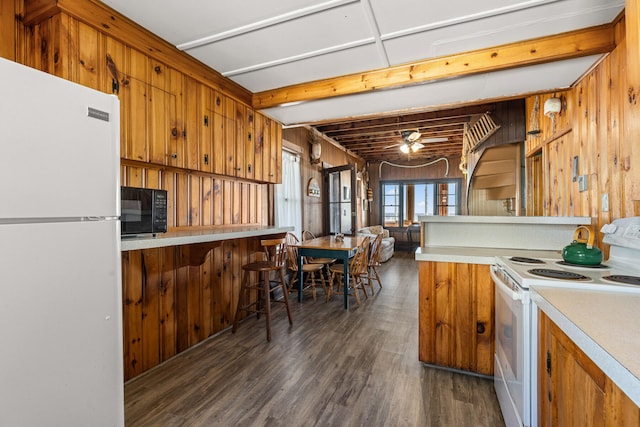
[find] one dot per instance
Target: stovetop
(555, 272)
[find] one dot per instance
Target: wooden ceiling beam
(573, 44)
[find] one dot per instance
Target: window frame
(402, 189)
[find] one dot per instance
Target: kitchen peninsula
(182, 287)
(456, 295)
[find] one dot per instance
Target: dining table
(329, 247)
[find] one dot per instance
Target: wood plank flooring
(331, 368)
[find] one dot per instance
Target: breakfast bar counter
(189, 237)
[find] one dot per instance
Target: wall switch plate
(605, 202)
(583, 183)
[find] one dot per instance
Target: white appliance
(60, 274)
(515, 367)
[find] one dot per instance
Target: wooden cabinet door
(192, 124)
(258, 146)
(456, 313)
(267, 172)
(230, 137)
(133, 91)
(206, 125)
(219, 125)
(276, 152)
(249, 149)
(161, 115)
(572, 389)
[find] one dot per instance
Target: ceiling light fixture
(413, 147)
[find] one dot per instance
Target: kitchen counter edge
(197, 236)
(557, 220)
(474, 255)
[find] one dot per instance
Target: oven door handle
(515, 295)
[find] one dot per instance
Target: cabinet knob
(174, 155)
(480, 328)
(174, 132)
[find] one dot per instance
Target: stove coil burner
(570, 264)
(526, 260)
(627, 280)
(557, 274)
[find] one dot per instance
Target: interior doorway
(340, 195)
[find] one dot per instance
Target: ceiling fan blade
(416, 146)
(394, 145)
(435, 139)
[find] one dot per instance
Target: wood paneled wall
(312, 212)
(600, 125)
(201, 200)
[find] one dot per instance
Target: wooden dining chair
(357, 272)
(310, 271)
(274, 261)
(374, 262)
(327, 262)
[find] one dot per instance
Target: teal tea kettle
(580, 251)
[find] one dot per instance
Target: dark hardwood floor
(331, 368)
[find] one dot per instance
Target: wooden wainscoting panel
(168, 289)
(218, 202)
(175, 297)
(132, 288)
(206, 202)
(152, 270)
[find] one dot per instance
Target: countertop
(605, 325)
(476, 255)
(560, 220)
(198, 236)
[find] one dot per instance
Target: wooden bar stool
(275, 250)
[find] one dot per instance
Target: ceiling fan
(411, 141)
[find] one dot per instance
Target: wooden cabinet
(456, 316)
(267, 149)
(162, 123)
(572, 390)
(206, 128)
(169, 116)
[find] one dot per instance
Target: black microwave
(142, 211)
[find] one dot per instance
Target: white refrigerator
(60, 275)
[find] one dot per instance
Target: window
(403, 202)
(288, 195)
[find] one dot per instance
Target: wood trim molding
(8, 29)
(559, 134)
(573, 44)
(113, 24)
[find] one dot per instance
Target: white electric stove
(515, 368)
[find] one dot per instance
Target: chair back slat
(275, 250)
(292, 251)
(358, 263)
(374, 253)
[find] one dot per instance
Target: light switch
(605, 202)
(583, 183)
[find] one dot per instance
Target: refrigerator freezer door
(61, 325)
(58, 159)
